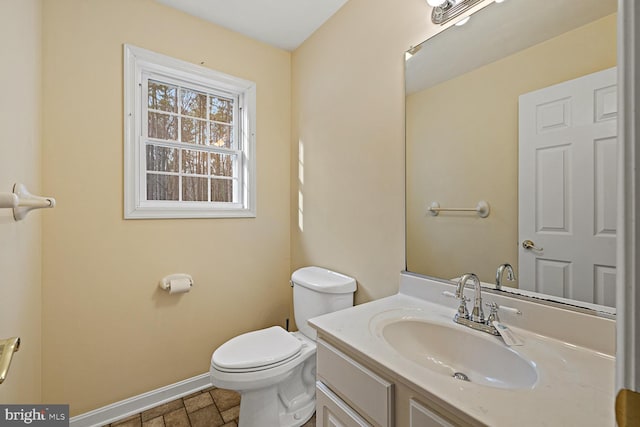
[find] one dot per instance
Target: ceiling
(281, 23)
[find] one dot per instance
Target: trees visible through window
(206, 122)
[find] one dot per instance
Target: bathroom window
(189, 140)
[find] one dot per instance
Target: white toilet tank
(318, 291)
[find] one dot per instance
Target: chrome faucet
(477, 315)
(476, 319)
(511, 276)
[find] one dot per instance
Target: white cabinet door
(421, 416)
(367, 392)
(331, 411)
(567, 188)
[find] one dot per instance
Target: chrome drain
(461, 376)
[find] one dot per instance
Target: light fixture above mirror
(446, 10)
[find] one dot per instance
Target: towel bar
(482, 209)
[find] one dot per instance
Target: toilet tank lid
(323, 280)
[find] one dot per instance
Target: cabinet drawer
(331, 411)
(421, 416)
(362, 389)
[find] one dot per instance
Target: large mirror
(517, 108)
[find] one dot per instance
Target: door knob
(528, 244)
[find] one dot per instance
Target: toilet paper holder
(165, 282)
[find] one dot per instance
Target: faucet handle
(463, 312)
(493, 314)
(503, 307)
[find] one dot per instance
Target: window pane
(162, 187)
(162, 159)
(193, 131)
(194, 162)
(221, 109)
(162, 97)
(222, 164)
(193, 103)
(195, 189)
(221, 135)
(222, 190)
(163, 126)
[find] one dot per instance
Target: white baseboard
(142, 402)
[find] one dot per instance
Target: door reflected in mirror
(518, 108)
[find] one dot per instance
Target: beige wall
(109, 333)
(479, 161)
(20, 256)
(348, 104)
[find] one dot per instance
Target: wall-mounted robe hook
(22, 202)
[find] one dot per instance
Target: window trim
(139, 62)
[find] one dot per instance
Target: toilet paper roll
(179, 286)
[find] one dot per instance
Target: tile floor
(212, 407)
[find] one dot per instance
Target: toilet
(274, 370)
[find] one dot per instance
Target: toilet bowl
(274, 370)
(280, 393)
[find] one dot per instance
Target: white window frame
(140, 64)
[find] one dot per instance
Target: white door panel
(567, 188)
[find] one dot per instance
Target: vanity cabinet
(349, 384)
(352, 393)
(421, 416)
(331, 411)
(415, 409)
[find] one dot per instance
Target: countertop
(575, 384)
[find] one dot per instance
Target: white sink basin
(461, 354)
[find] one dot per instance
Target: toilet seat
(257, 351)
